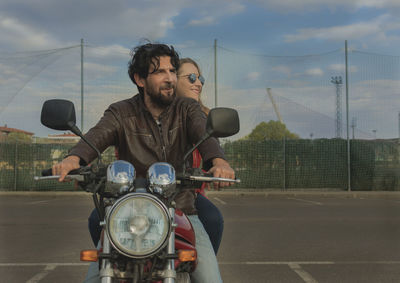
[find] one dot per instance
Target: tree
(20, 137)
(273, 130)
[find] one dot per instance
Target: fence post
(347, 119)
(15, 164)
(284, 163)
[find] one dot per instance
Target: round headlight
(138, 225)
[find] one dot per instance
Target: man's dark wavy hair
(142, 58)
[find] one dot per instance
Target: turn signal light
(187, 255)
(89, 255)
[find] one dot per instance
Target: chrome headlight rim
(162, 179)
(120, 177)
(158, 247)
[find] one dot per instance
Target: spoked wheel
(183, 277)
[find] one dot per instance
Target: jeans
(94, 226)
(207, 270)
(208, 213)
(212, 220)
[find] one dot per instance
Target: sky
(293, 47)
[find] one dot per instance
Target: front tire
(183, 277)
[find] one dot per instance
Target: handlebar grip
(48, 172)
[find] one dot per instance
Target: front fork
(169, 270)
(106, 271)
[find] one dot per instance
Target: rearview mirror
(58, 114)
(222, 122)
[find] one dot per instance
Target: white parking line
(39, 202)
(305, 200)
(16, 264)
(22, 264)
(276, 262)
(306, 262)
(302, 273)
(220, 200)
(42, 274)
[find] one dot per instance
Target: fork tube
(170, 267)
(106, 272)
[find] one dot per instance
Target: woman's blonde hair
(191, 61)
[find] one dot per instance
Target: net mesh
(306, 100)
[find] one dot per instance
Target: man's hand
(65, 166)
(222, 169)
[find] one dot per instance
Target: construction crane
(274, 105)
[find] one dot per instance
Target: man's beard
(160, 100)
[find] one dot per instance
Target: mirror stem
(77, 132)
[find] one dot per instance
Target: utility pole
(374, 131)
(82, 85)
(353, 125)
(215, 73)
(346, 61)
(337, 81)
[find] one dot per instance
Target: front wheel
(182, 277)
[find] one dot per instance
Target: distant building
(63, 138)
(5, 131)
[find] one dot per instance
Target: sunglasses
(192, 78)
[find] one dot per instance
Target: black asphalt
(268, 237)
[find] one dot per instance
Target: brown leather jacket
(142, 141)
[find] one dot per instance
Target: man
(156, 126)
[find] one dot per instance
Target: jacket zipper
(162, 140)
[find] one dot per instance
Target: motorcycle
(145, 238)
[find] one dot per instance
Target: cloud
(48, 24)
(336, 67)
(211, 11)
(253, 76)
(376, 28)
(377, 3)
(315, 72)
(206, 21)
(341, 68)
(15, 34)
(295, 6)
(186, 44)
(111, 51)
(282, 69)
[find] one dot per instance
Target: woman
(190, 84)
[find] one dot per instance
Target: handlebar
(78, 178)
(213, 179)
(206, 177)
(47, 174)
(78, 175)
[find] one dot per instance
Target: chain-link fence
(286, 164)
(309, 93)
(20, 162)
